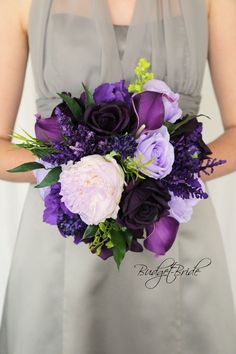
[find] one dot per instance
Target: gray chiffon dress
(60, 298)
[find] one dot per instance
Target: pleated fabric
(74, 40)
(60, 298)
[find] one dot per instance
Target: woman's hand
(13, 61)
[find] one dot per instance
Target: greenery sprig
(110, 235)
(141, 71)
(36, 146)
(132, 166)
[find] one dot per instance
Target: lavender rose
(109, 92)
(108, 119)
(92, 188)
(155, 145)
(143, 203)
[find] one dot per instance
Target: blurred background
(12, 195)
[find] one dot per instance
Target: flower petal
(161, 235)
(149, 109)
(105, 253)
(47, 129)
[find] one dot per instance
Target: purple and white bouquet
(119, 168)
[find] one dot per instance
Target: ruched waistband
(189, 104)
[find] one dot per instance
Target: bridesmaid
(60, 298)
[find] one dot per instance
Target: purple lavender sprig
(182, 180)
(125, 145)
(211, 164)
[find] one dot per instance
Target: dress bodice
(75, 41)
(121, 36)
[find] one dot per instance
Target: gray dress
(61, 299)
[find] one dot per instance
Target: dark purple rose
(143, 203)
(108, 119)
(48, 129)
(112, 92)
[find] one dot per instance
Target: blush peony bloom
(92, 188)
(155, 145)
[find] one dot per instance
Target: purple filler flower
(52, 204)
(169, 98)
(182, 209)
(112, 92)
(155, 145)
(56, 213)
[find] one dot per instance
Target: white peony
(92, 188)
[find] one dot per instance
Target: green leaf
(72, 104)
(203, 115)
(51, 178)
(28, 166)
(88, 95)
(90, 231)
(119, 249)
(128, 237)
(172, 127)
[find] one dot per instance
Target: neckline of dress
(116, 25)
(129, 28)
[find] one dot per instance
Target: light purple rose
(182, 209)
(155, 145)
(169, 98)
(92, 188)
(40, 174)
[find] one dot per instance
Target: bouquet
(120, 168)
